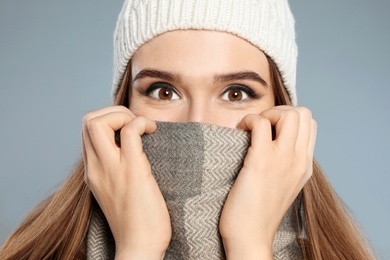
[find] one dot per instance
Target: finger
(260, 128)
(304, 129)
(107, 110)
(89, 153)
(313, 137)
(86, 145)
(131, 143)
(101, 130)
(90, 158)
(285, 119)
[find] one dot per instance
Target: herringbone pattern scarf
(195, 165)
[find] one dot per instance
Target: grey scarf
(195, 165)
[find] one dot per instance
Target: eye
(238, 93)
(164, 94)
(162, 91)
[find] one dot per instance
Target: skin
(197, 57)
(200, 91)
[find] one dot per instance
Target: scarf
(195, 165)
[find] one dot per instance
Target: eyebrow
(152, 73)
(240, 75)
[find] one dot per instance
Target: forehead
(199, 52)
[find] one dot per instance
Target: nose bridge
(199, 110)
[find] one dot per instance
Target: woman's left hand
(273, 174)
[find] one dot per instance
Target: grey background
(56, 64)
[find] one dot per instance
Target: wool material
(267, 24)
(195, 165)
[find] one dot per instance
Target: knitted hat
(267, 24)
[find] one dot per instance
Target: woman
(227, 63)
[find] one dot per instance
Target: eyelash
(251, 94)
(147, 91)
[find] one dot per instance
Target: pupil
(165, 94)
(235, 95)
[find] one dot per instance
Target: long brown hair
(57, 228)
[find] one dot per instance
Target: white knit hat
(267, 24)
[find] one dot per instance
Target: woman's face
(199, 76)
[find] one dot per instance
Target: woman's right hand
(122, 182)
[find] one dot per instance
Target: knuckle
(128, 131)
(292, 114)
(92, 124)
(304, 112)
(310, 173)
(122, 109)
(140, 119)
(87, 117)
(314, 123)
(301, 171)
(250, 117)
(263, 123)
(86, 176)
(125, 111)
(86, 179)
(90, 179)
(307, 175)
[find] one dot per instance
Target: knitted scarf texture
(195, 165)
